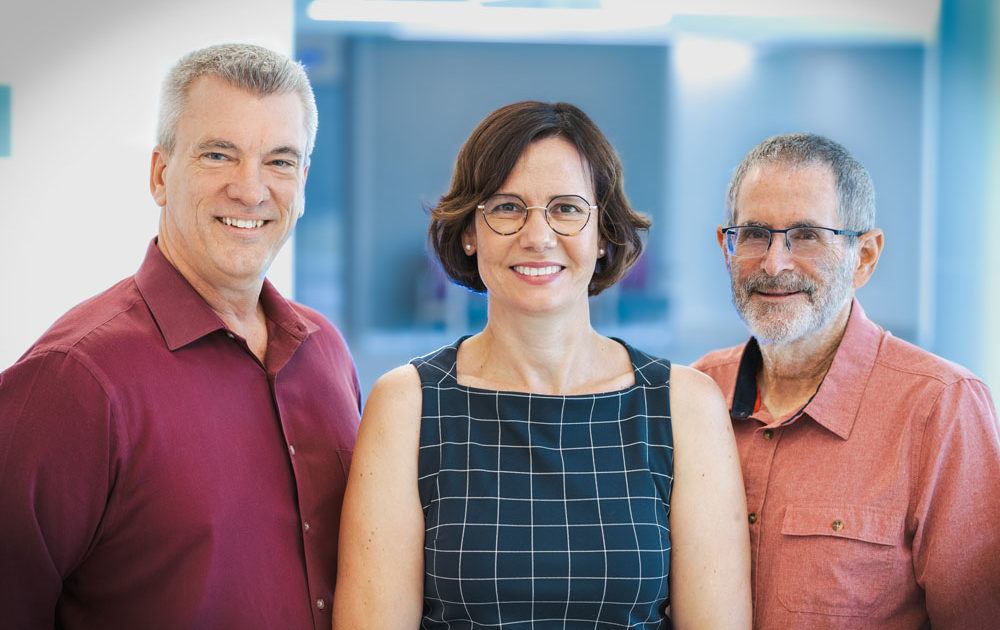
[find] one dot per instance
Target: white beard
(784, 323)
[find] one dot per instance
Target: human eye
(214, 156)
(568, 209)
(751, 233)
(506, 208)
(805, 234)
(283, 164)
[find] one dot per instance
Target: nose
(536, 233)
(778, 257)
(247, 185)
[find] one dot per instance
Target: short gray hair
(255, 69)
(854, 184)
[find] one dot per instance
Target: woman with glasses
(538, 474)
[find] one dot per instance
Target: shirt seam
(947, 382)
(70, 352)
(919, 456)
(85, 335)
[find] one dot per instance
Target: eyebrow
(521, 199)
(791, 226)
(218, 143)
(286, 150)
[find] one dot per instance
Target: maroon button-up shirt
(878, 504)
(154, 474)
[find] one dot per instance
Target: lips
(531, 270)
(243, 224)
(777, 287)
(777, 293)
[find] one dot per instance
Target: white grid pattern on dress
(545, 511)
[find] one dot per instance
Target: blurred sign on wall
(4, 120)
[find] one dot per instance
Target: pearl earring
(600, 252)
(468, 247)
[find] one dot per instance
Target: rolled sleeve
(57, 461)
(956, 545)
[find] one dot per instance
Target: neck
(238, 305)
(792, 372)
(544, 353)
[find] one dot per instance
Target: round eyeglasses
(752, 241)
(566, 215)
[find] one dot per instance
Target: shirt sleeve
(956, 545)
(56, 472)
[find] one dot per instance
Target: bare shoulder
(696, 399)
(396, 390)
(390, 422)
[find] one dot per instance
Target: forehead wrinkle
(803, 185)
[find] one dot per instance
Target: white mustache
(785, 283)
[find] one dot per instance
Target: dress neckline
(638, 379)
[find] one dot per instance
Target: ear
(157, 176)
(870, 246)
(305, 176)
(720, 236)
(469, 241)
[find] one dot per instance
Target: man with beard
(872, 467)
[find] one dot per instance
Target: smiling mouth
(244, 224)
(776, 293)
(536, 271)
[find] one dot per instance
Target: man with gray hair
(872, 467)
(173, 451)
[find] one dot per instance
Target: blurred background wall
(84, 79)
(683, 89)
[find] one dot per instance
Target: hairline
(227, 67)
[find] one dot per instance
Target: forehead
(214, 108)
(779, 194)
(550, 166)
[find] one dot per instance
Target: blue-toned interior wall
(400, 110)
(967, 290)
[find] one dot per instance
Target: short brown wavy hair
(486, 160)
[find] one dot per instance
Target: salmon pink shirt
(877, 505)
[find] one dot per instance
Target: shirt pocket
(836, 560)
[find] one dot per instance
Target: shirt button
(306, 526)
(291, 450)
(752, 518)
(321, 603)
(837, 525)
(768, 434)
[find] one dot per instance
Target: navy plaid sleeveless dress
(545, 511)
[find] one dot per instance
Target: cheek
(742, 269)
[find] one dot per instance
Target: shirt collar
(838, 399)
(183, 316)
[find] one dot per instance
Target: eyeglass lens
(507, 215)
(803, 242)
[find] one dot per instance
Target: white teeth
(537, 271)
(246, 224)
